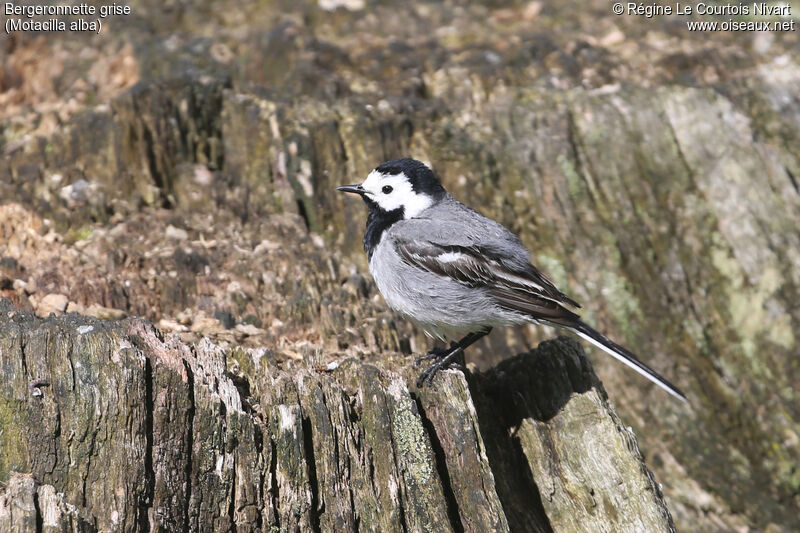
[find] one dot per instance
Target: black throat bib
(378, 221)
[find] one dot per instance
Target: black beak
(356, 189)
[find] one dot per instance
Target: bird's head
(405, 187)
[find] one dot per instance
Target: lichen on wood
(122, 428)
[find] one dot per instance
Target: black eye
(387, 189)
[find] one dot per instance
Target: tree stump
(113, 426)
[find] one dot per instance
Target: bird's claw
(435, 353)
(444, 358)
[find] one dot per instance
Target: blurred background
(180, 165)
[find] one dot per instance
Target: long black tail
(621, 354)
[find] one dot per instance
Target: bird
(458, 274)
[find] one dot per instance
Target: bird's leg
(444, 357)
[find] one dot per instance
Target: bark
(113, 426)
(643, 204)
(182, 168)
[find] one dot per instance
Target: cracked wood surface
(134, 431)
(652, 171)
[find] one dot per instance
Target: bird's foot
(443, 358)
(435, 353)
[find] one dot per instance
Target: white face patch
(399, 193)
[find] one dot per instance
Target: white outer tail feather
(626, 361)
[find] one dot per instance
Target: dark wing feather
(528, 272)
(525, 291)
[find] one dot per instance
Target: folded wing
(524, 290)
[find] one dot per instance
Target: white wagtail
(455, 272)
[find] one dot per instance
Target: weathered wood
(26, 505)
(115, 427)
(652, 170)
(552, 433)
